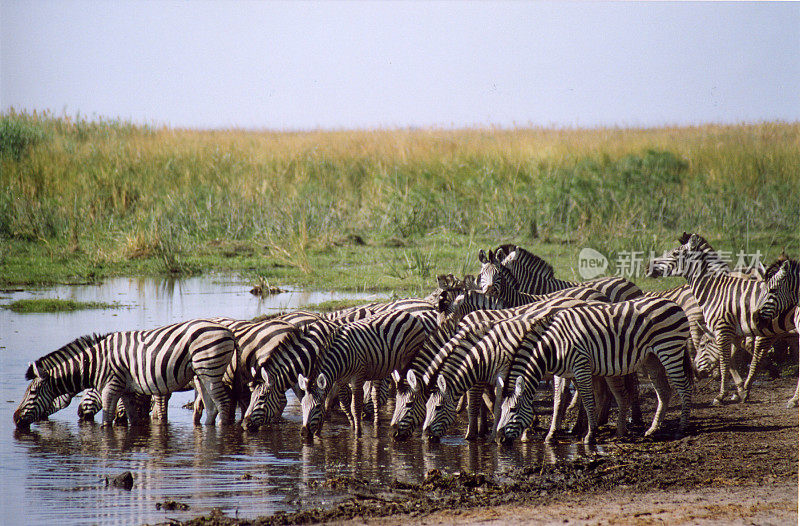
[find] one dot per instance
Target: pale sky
(366, 64)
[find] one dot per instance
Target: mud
(738, 465)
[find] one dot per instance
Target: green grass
(55, 305)
(377, 209)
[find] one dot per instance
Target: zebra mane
(531, 263)
(73, 348)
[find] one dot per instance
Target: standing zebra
(533, 275)
(154, 362)
(782, 294)
(728, 303)
(602, 340)
(368, 349)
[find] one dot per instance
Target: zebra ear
(396, 376)
(36, 370)
(499, 382)
(322, 382)
(253, 372)
(500, 255)
(694, 242)
(519, 386)
(482, 257)
(411, 378)
(302, 381)
(264, 375)
(441, 384)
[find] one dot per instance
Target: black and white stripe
(600, 340)
(530, 274)
(782, 295)
(368, 349)
(151, 362)
(728, 303)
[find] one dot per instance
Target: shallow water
(56, 472)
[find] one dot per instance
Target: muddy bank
(739, 463)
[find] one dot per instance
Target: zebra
(530, 274)
(728, 304)
(155, 362)
(457, 320)
(498, 280)
(781, 294)
(298, 351)
(604, 340)
(476, 359)
(369, 349)
(278, 368)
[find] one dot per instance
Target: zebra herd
(489, 341)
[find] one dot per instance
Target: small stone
(123, 480)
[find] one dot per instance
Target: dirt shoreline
(738, 465)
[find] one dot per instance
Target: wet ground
(738, 465)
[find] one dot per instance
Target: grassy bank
(382, 209)
(55, 305)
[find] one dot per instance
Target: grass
(377, 209)
(55, 305)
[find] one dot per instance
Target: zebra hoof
(792, 403)
(735, 398)
(716, 402)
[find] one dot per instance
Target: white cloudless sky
(366, 64)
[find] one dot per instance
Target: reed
(109, 192)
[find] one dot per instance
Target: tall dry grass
(115, 184)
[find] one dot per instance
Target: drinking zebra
(277, 368)
(368, 349)
(154, 362)
(781, 295)
(728, 303)
(457, 320)
(603, 340)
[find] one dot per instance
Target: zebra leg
(724, 338)
(583, 381)
(375, 395)
(357, 394)
(761, 345)
(160, 404)
(602, 397)
(474, 403)
(658, 376)
(680, 379)
(221, 397)
(345, 396)
(487, 408)
(559, 402)
(632, 385)
(208, 402)
(618, 385)
(110, 396)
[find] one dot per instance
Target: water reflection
(57, 471)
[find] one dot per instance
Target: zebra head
(440, 410)
(265, 401)
(313, 404)
(490, 266)
(91, 404)
(692, 257)
(38, 399)
(516, 411)
(781, 292)
(707, 358)
(409, 407)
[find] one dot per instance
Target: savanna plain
(387, 210)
